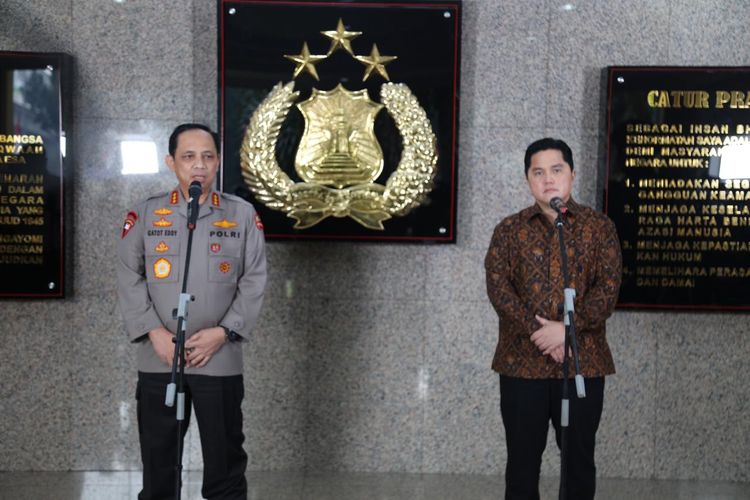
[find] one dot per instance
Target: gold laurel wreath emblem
(369, 204)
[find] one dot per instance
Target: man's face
(195, 159)
(549, 176)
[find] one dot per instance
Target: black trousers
(217, 402)
(527, 406)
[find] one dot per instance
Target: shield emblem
(338, 147)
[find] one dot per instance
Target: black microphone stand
(570, 342)
(176, 383)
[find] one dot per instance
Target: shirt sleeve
(136, 307)
(243, 313)
(502, 294)
(592, 310)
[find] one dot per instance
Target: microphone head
(558, 205)
(195, 189)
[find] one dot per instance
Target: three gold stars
(341, 39)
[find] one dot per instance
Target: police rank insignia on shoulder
(161, 247)
(174, 197)
(215, 199)
(162, 222)
(225, 224)
(162, 268)
(162, 211)
(129, 223)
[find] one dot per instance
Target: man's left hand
(550, 336)
(202, 345)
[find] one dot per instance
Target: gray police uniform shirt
(227, 274)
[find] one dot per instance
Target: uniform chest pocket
(224, 260)
(162, 260)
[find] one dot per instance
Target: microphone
(194, 194)
(558, 205)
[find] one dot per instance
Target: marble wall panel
(625, 442)
(463, 431)
(372, 436)
(135, 59)
(36, 390)
(587, 36)
(506, 66)
(702, 419)
(205, 64)
(711, 35)
(275, 357)
(39, 26)
(365, 351)
(275, 435)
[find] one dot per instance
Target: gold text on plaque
(339, 158)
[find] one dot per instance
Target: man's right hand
(161, 339)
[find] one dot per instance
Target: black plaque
(254, 37)
(678, 185)
(33, 164)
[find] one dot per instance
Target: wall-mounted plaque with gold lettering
(339, 119)
(678, 185)
(33, 125)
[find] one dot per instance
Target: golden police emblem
(339, 157)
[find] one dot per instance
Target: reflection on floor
(349, 486)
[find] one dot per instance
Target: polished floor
(349, 486)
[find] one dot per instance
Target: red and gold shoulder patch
(162, 222)
(224, 224)
(162, 211)
(215, 200)
(174, 197)
(161, 247)
(258, 222)
(162, 268)
(224, 267)
(129, 223)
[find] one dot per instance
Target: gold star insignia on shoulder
(375, 62)
(340, 38)
(305, 62)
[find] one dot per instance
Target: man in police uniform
(227, 277)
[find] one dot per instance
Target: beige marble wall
(369, 357)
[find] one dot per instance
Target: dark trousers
(217, 403)
(527, 405)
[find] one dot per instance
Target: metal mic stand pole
(177, 382)
(570, 342)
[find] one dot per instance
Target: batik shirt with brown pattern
(524, 278)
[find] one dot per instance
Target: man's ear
(169, 160)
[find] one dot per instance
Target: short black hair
(543, 145)
(190, 126)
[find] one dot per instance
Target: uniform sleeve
(245, 308)
(592, 310)
(502, 294)
(136, 306)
